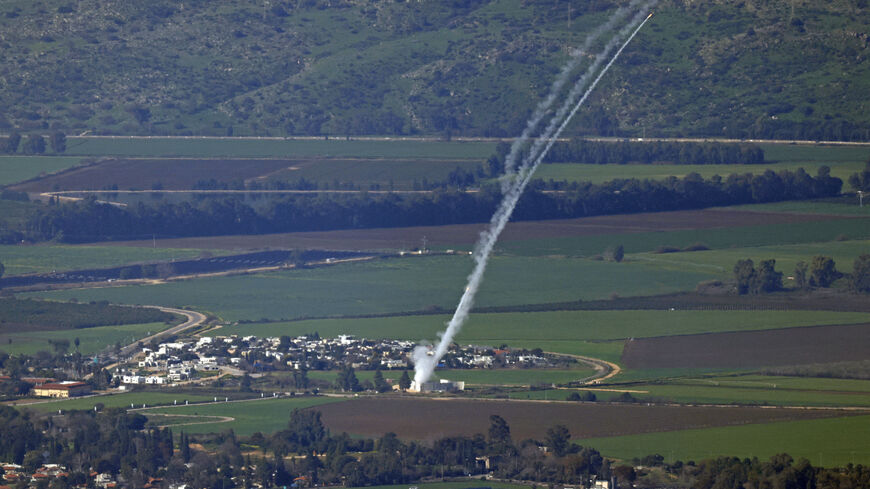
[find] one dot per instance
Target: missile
(650, 15)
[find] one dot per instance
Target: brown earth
(467, 234)
(143, 174)
(750, 349)
(428, 419)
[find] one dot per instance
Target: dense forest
(88, 220)
(776, 69)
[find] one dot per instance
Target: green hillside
(464, 67)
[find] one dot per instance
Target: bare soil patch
(749, 349)
(467, 234)
(427, 419)
(143, 174)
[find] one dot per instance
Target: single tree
(801, 281)
(12, 142)
(558, 439)
(499, 440)
(744, 275)
(381, 385)
(859, 280)
(615, 253)
(58, 142)
(823, 271)
(767, 279)
(861, 180)
(405, 381)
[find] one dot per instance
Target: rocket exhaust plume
(515, 181)
(543, 107)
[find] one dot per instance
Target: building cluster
(15, 475)
(180, 360)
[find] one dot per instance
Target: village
(184, 359)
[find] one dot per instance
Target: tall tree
(861, 180)
(823, 271)
(34, 144)
(744, 275)
(558, 439)
(381, 384)
(12, 142)
(499, 439)
(58, 142)
(767, 279)
(801, 281)
(859, 280)
(405, 381)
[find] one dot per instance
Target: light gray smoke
(577, 56)
(425, 359)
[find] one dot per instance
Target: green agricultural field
(847, 206)
(829, 155)
(844, 254)
(713, 393)
(19, 260)
(732, 237)
(253, 147)
(92, 340)
(383, 173)
(124, 400)
(554, 326)
(263, 415)
(825, 442)
(14, 169)
(15, 213)
(603, 173)
(389, 286)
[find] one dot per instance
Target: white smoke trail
(577, 55)
(425, 359)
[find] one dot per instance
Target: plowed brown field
(426, 419)
(792, 346)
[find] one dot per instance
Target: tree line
(88, 220)
(116, 442)
(625, 151)
(821, 272)
(33, 143)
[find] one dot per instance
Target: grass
(266, 415)
(847, 207)
(253, 147)
(389, 286)
(16, 213)
(732, 237)
(603, 173)
(124, 400)
(787, 256)
(825, 442)
(92, 340)
(19, 260)
(14, 169)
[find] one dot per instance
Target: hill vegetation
(471, 67)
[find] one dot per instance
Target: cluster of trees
(623, 151)
(88, 220)
(33, 144)
(67, 315)
(820, 272)
(861, 180)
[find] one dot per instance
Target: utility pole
(860, 198)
